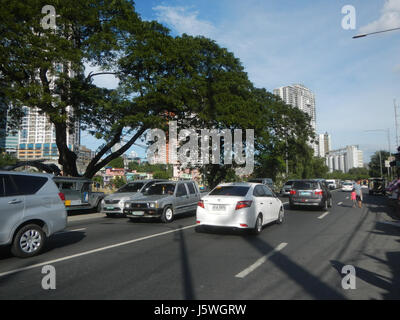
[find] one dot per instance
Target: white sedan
(347, 186)
(240, 205)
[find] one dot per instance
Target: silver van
(31, 209)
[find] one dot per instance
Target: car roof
(33, 174)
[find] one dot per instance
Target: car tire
(281, 216)
(167, 215)
(28, 241)
(258, 225)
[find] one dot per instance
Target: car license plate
(305, 193)
(218, 207)
(109, 208)
(137, 213)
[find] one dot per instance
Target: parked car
(347, 186)
(78, 193)
(331, 184)
(164, 200)
(377, 186)
(267, 181)
(113, 204)
(285, 191)
(31, 209)
(240, 205)
(310, 193)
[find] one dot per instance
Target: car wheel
(167, 215)
(281, 216)
(258, 226)
(28, 241)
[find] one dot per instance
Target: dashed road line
(260, 261)
(323, 215)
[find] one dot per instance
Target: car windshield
(239, 191)
(305, 185)
(347, 184)
(131, 187)
(161, 189)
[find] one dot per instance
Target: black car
(376, 186)
(312, 193)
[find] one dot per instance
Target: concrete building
(344, 159)
(303, 98)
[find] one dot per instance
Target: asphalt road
(113, 258)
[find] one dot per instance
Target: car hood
(124, 196)
(151, 198)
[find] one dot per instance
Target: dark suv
(310, 193)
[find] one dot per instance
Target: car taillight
(200, 204)
(292, 192)
(319, 192)
(62, 196)
(243, 204)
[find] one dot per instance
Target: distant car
(240, 205)
(78, 193)
(376, 186)
(31, 209)
(267, 181)
(164, 200)
(331, 184)
(347, 186)
(285, 191)
(310, 193)
(113, 204)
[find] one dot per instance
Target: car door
(260, 202)
(274, 203)
(182, 201)
(193, 195)
(12, 205)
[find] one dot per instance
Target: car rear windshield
(305, 185)
(238, 191)
(347, 184)
(256, 180)
(131, 187)
(289, 183)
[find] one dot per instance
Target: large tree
(377, 163)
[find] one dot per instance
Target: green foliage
(161, 175)
(378, 161)
(119, 182)
(6, 160)
(116, 163)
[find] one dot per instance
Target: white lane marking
(260, 261)
(93, 251)
(323, 215)
(75, 230)
(340, 203)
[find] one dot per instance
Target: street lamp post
(380, 155)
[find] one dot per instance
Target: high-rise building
(324, 144)
(37, 136)
(297, 95)
(8, 138)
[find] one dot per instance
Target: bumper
(143, 213)
(306, 202)
(240, 220)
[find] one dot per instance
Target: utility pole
(396, 123)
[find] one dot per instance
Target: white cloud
(389, 19)
(183, 21)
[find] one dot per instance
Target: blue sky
(281, 42)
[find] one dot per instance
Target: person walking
(359, 196)
(354, 197)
